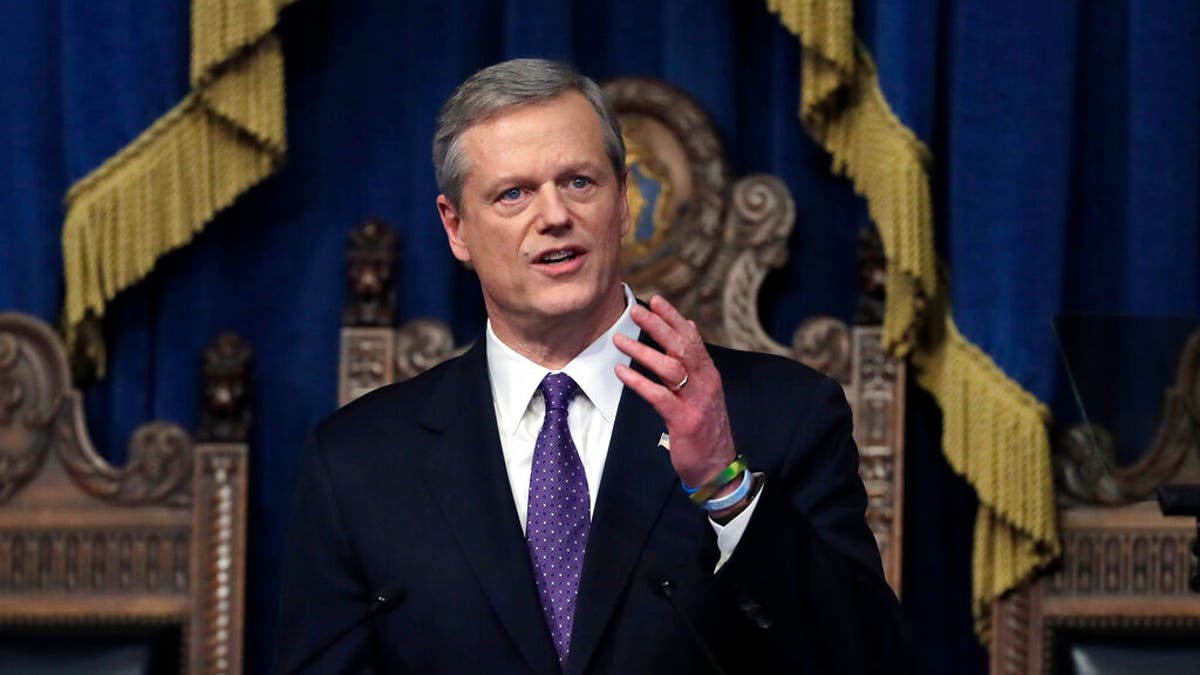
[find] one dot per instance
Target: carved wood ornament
(370, 264)
(1125, 567)
(705, 242)
(158, 541)
(225, 414)
(1085, 462)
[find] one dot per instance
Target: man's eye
(579, 182)
(511, 194)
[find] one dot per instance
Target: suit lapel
(637, 479)
(470, 488)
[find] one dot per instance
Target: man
(517, 501)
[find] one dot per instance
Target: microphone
(385, 600)
(664, 587)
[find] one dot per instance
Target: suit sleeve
(804, 590)
(322, 588)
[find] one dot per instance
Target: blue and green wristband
(700, 495)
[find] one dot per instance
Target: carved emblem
(650, 189)
(678, 176)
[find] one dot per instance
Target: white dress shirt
(591, 415)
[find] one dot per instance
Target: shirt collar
(515, 378)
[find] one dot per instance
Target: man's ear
(452, 222)
(623, 212)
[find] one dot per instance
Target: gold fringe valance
(157, 192)
(994, 432)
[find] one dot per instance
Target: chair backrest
(1119, 594)
(88, 549)
(703, 241)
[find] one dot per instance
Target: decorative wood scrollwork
(1086, 470)
(41, 409)
(159, 540)
(33, 383)
(422, 344)
(759, 224)
(91, 561)
(708, 245)
(366, 361)
(1108, 562)
(159, 469)
(875, 389)
(1123, 570)
(823, 343)
(1013, 626)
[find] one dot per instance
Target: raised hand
(689, 397)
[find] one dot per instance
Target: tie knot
(558, 389)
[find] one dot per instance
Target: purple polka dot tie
(557, 524)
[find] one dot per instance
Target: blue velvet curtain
(78, 80)
(1064, 138)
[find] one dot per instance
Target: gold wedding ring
(679, 387)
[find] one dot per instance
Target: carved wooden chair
(1118, 600)
(703, 241)
(146, 558)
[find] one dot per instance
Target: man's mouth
(558, 257)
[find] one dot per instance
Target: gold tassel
(994, 432)
(160, 190)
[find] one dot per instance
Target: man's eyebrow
(593, 170)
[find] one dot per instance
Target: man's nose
(552, 208)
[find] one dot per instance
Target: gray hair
(507, 85)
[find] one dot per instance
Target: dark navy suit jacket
(406, 488)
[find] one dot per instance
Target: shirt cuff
(730, 534)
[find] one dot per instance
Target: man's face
(541, 215)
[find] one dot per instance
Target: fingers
(660, 398)
(671, 315)
(695, 416)
(669, 370)
(677, 335)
